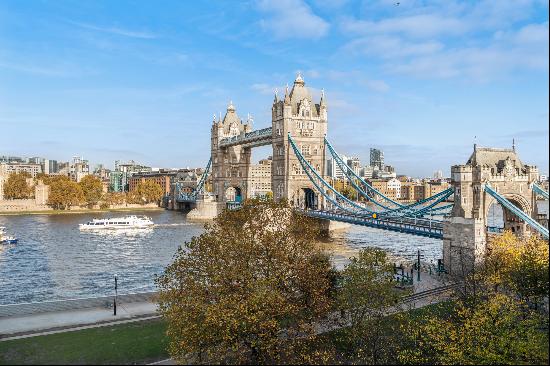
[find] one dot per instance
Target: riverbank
(81, 211)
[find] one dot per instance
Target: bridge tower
(465, 233)
(230, 165)
(296, 114)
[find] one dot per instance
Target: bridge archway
(308, 199)
(509, 220)
(233, 194)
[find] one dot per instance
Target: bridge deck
(420, 227)
(250, 139)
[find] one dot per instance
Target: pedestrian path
(61, 320)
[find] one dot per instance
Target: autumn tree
(497, 331)
(114, 198)
(495, 323)
(518, 265)
(92, 189)
(64, 193)
(16, 186)
(248, 290)
(146, 191)
(365, 295)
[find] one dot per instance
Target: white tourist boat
(126, 222)
(5, 238)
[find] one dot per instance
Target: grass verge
(134, 343)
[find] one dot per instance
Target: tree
(497, 331)
(252, 285)
(114, 198)
(366, 294)
(92, 189)
(146, 191)
(16, 187)
(519, 265)
(64, 193)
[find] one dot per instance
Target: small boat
(6, 239)
(126, 222)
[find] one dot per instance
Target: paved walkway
(59, 320)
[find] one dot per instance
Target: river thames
(54, 260)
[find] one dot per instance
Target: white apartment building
(7, 168)
(260, 178)
(395, 184)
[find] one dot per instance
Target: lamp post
(116, 293)
(418, 267)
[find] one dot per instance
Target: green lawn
(140, 342)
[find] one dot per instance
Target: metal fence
(73, 304)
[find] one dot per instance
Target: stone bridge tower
(230, 165)
(306, 122)
(465, 234)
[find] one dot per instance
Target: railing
(72, 304)
(495, 229)
(428, 228)
(248, 137)
(233, 205)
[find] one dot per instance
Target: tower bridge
(300, 148)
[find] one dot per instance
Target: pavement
(47, 323)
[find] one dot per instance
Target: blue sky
(141, 79)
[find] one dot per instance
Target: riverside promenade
(32, 319)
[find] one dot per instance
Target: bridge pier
(464, 244)
(328, 226)
(205, 209)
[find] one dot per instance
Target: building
(377, 159)
(390, 188)
(120, 177)
(50, 166)
(333, 169)
(163, 178)
(101, 172)
(8, 168)
(11, 159)
(354, 164)
(78, 169)
(367, 172)
(260, 178)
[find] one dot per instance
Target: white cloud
(391, 47)
(118, 31)
(421, 25)
(292, 19)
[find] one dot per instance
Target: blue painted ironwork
(401, 209)
(323, 187)
(252, 138)
(541, 192)
(516, 211)
(234, 205)
(495, 229)
(428, 228)
(347, 170)
(199, 189)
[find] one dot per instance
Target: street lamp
(116, 293)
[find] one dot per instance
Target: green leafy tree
(92, 189)
(16, 186)
(64, 193)
(253, 285)
(366, 293)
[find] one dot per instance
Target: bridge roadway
(414, 226)
(249, 139)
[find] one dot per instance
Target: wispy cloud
(117, 31)
(292, 19)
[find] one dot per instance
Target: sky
(141, 80)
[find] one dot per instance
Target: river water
(54, 260)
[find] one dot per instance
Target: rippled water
(55, 260)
